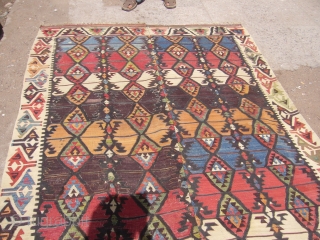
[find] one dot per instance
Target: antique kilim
(142, 132)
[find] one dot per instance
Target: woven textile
(142, 132)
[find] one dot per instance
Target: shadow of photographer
(119, 217)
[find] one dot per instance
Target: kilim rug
(143, 132)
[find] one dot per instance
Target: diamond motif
(220, 52)
(77, 74)
(134, 91)
(131, 71)
(183, 69)
(302, 208)
(150, 193)
(228, 68)
(190, 87)
(177, 51)
(128, 51)
(208, 138)
(238, 85)
(248, 107)
(75, 155)
(281, 167)
(78, 53)
(74, 199)
(78, 94)
(264, 135)
(109, 153)
(197, 109)
(145, 152)
(76, 122)
(233, 216)
(139, 118)
(219, 173)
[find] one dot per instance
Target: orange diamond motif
(78, 53)
(197, 109)
(190, 87)
(131, 71)
(77, 74)
(177, 51)
(134, 91)
(78, 94)
(128, 51)
(220, 51)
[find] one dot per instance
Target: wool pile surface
(157, 132)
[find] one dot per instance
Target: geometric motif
(74, 155)
(303, 209)
(184, 70)
(128, 51)
(79, 39)
(233, 216)
(177, 51)
(281, 167)
(208, 138)
(22, 192)
(250, 108)
(76, 122)
(74, 199)
(131, 72)
(77, 74)
(139, 118)
(78, 53)
(17, 165)
(197, 109)
(134, 91)
(264, 134)
(145, 152)
(34, 67)
(220, 51)
(35, 106)
(136, 132)
(39, 80)
(157, 230)
(73, 233)
(150, 193)
(78, 94)
(219, 173)
(25, 123)
(239, 85)
(29, 143)
(191, 87)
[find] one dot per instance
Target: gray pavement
(286, 31)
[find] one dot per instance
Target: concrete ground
(286, 31)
